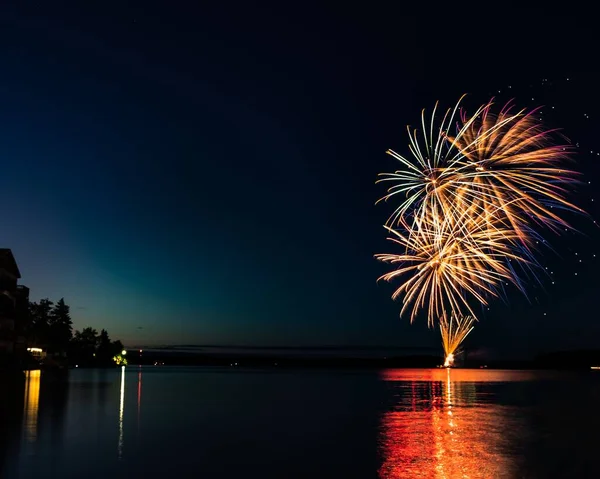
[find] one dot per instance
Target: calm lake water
(158, 422)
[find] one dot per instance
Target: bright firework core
(449, 362)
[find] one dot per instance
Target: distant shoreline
(580, 360)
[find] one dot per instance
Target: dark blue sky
(205, 176)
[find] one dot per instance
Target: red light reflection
(139, 396)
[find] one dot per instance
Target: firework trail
(454, 329)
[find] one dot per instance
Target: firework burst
(504, 161)
(469, 198)
(446, 261)
(422, 183)
(509, 161)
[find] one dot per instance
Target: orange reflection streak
(438, 429)
(461, 375)
(32, 398)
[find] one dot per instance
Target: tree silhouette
(41, 314)
(84, 344)
(61, 326)
(49, 325)
(105, 351)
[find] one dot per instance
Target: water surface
(229, 422)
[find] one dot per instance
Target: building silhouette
(14, 300)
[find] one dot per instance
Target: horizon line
(262, 347)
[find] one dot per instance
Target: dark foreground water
(163, 422)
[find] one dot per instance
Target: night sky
(188, 176)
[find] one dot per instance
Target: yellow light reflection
(32, 399)
(121, 411)
(440, 429)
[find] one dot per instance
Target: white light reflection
(121, 409)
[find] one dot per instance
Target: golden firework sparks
(469, 197)
(446, 261)
(505, 160)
